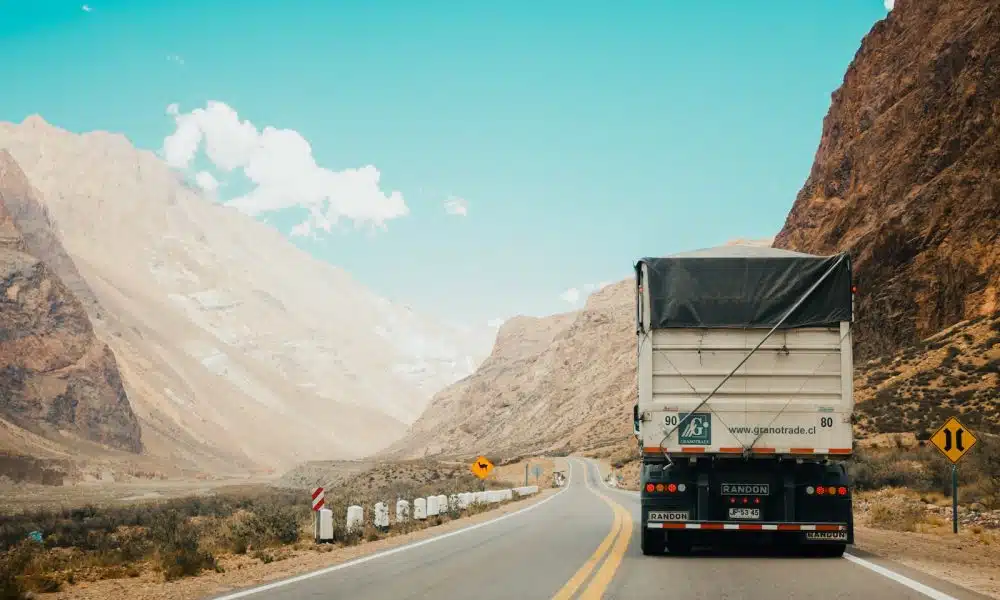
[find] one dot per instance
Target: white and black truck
(745, 399)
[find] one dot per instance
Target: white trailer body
(793, 395)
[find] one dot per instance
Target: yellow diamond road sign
(481, 467)
(953, 440)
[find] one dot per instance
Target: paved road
(583, 543)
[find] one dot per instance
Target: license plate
(832, 536)
(668, 515)
(744, 513)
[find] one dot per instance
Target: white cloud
(593, 287)
(87, 8)
(174, 58)
(280, 165)
(572, 295)
(303, 229)
(457, 206)
(206, 181)
(889, 4)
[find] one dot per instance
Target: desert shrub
(177, 546)
(903, 515)
(13, 563)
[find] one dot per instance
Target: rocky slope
(954, 371)
(907, 174)
(237, 349)
(57, 377)
(552, 383)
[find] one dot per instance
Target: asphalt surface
(584, 543)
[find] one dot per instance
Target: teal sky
(582, 134)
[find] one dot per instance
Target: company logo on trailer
(696, 429)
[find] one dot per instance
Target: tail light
(670, 488)
(820, 490)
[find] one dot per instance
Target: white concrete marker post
(442, 504)
(402, 511)
(433, 506)
(324, 526)
(382, 515)
(420, 509)
(355, 519)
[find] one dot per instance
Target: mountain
(907, 173)
(906, 178)
(237, 349)
(58, 379)
(558, 382)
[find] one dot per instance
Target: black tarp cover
(745, 286)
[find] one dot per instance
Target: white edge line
(901, 579)
(364, 559)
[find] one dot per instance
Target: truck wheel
(652, 543)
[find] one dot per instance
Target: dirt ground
(515, 472)
(968, 559)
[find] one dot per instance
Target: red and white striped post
(317, 503)
(317, 498)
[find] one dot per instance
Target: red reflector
(820, 490)
(649, 487)
(745, 501)
(732, 500)
(659, 487)
(842, 491)
(672, 487)
(756, 500)
(854, 289)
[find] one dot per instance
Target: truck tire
(652, 542)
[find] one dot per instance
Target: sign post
(537, 470)
(526, 474)
(954, 440)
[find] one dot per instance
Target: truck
(745, 399)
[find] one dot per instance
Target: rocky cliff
(907, 173)
(56, 375)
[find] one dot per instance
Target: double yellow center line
(613, 547)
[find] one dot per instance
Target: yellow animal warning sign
(482, 467)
